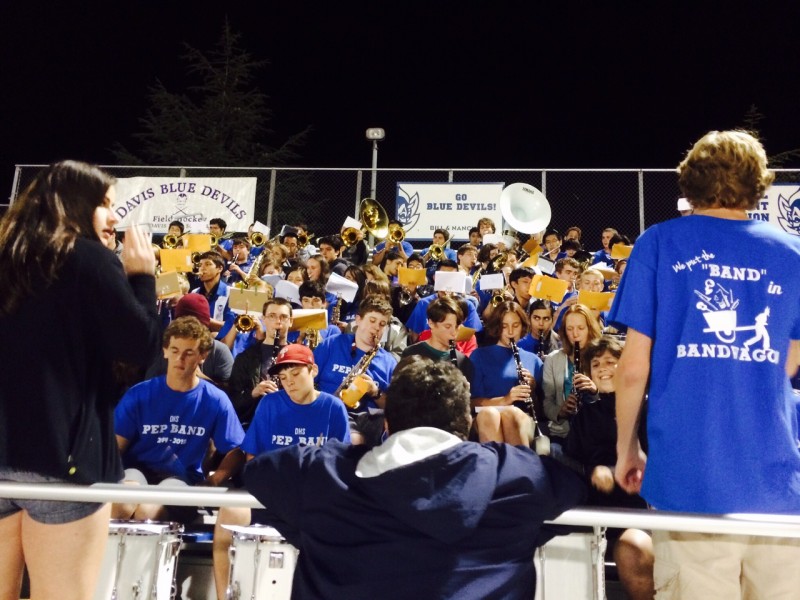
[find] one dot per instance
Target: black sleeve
(245, 375)
(127, 302)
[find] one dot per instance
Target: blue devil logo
(789, 212)
(407, 208)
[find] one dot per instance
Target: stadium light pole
(375, 134)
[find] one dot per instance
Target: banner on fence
(780, 207)
(156, 201)
(456, 207)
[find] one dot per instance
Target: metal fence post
(641, 201)
(273, 176)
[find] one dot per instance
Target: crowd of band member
(220, 396)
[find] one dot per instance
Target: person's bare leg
(633, 554)
(488, 424)
(517, 427)
(11, 559)
(223, 538)
(150, 512)
(64, 560)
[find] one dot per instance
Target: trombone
(396, 234)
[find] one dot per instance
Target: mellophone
(140, 562)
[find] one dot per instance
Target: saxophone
(349, 393)
(541, 441)
(337, 310)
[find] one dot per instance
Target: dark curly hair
(424, 393)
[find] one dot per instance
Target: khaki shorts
(710, 566)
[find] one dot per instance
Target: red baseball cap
(292, 354)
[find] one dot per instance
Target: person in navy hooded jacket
(426, 514)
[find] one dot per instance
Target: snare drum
(262, 564)
(139, 561)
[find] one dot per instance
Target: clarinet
(453, 356)
(541, 441)
(528, 402)
(576, 361)
(275, 351)
(541, 351)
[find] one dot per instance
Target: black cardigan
(56, 388)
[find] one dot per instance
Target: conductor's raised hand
(137, 252)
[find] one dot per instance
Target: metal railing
(732, 524)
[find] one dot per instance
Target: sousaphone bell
(374, 218)
(525, 208)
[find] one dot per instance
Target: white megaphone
(524, 208)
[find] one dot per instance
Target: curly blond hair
(725, 169)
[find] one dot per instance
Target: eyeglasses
(277, 317)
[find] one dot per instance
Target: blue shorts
(49, 512)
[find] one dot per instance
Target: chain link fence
(630, 200)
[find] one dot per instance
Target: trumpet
(216, 240)
(436, 252)
(304, 239)
(498, 298)
(396, 234)
(498, 262)
(171, 240)
(257, 239)
(349, 236)
(244, 323)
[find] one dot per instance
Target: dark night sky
(455, 84)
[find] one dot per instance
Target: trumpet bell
(437, 252)
(349, 236)
(525, 208)
(170, 241)
(396, 233)
(374, 218)
(258, 239)
(244, 323)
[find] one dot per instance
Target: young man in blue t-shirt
(721, 421)
(164, 425)
(296, 414)
(338, 355)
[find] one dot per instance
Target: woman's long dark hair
(39, 230)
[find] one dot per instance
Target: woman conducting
(67, 311)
